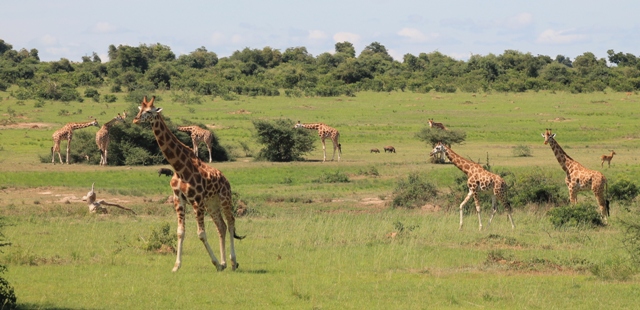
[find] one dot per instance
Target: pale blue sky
(74, 28)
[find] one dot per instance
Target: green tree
(7, 295)
(282, 142)
(346, 48)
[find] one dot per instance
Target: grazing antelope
(433, 124)
(607, 158)
(389, 149)
(375, 150)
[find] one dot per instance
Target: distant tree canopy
(269, 71)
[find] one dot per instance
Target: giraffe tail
(238, 237)
(606, 201)
(340, 148)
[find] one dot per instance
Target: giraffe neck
(110, 123)
(563, 159)
(179, 156)
(74, 126)
(462, 163)
(184, 129)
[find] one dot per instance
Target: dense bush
(623, 190)
(7, 295)
(282, 142)
(579, 215)
(538, 187)
(413, 192)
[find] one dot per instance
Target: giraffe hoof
(235, 266)
(221, 267)
(175, 268)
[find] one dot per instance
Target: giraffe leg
(324, 151)
(573, 194)
(68, 150)
(462, 206)
(494, 208)
(227, 210)
(209, 149)
(202, 235)
(105, 156)
(179, 205)
(602, 203)
(216, 215)
(477, 202)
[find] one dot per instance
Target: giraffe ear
(553, 135)
(158, 110)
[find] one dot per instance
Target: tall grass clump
(521, 150)
(579, 215)
(413, 192)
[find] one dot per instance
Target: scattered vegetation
(413, 192)
(579, 215)
(7, 294)
(161, 239)
(282, 142)
(522, 150)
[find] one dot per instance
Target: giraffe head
(120, 118)
(147, 111)
(94, 123)
(124, 115)
(298, 125)
(438, 149)
(431, 122)
(548, 135)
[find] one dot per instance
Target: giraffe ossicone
(203, 187)
(478, 179)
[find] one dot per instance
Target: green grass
(315, 243)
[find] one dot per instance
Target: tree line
(295, 72)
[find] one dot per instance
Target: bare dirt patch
(28, 126)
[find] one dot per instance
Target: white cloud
(103, 27)
(346, 37)
(58, 51)
(317, 35)
(416, 35)
(551, 36)
(519, 21)
(218, 38)
(48, 40)
(236, 38)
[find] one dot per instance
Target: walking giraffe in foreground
(102, 137)
(66, 133)
(198, 135)
(578, 177)
(203, 187)
(478, 179)
(324, 132)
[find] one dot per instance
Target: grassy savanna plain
(314, 244)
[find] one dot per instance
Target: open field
(313, 244)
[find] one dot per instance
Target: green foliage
(91, 92)
(434, 135)
(521, 150)
(109, 98)
(623, 190)
(579, 215)
(332, 177)
(160, 239)
(631, 238)
(282, 142)
(413, 192)
(7, 295)
(538, 187)
(615, 269)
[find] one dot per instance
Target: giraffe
(607, 158)
(433, 124)
(578, 177)
(66, 132)
(324, 132)
(102, 137)
(479, 179)
(196, 183)
(198, 135)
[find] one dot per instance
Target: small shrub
(623, 190)
(521, 151)
(91, 92)
(282, 142)
(160, 238)
(413, 192)
(39, 104)
(7, 295)
(335, 177)
(109, 98)
(370, 171)
(579, 215)
(400, 228)
(631, 238)
(537, 187)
